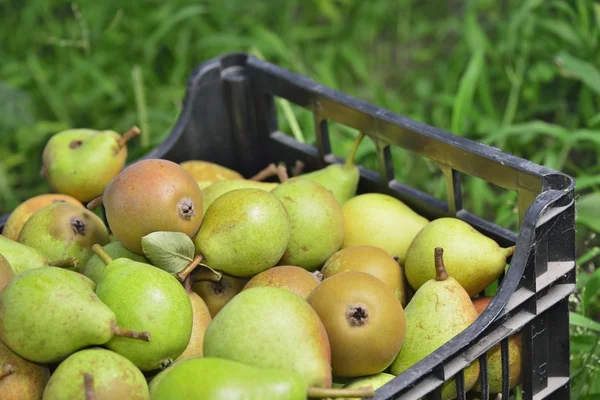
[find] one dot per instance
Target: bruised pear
(364, 320)
(217, 294)
(63, 230)
(152, 195)
(295, 279)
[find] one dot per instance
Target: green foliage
(522, 75)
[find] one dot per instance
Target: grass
(522, 75)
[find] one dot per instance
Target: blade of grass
(140, 102)
(464, 98)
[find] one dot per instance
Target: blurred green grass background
(522, 75)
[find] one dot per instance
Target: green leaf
(583, 322)
(580, 69)
(170, 251)
(591, 294)
(466, 89)
(588, 212)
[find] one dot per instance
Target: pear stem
(317, 392)
(131, 133)
(187, 284)
(350, 160)
(94, 203)
(88, 382)
(510, 251)
(6, 370)
(440, 269)
(268, 172)
(282, 173)
(181, 275)
(100, 252)
(72, 262)
(123, 332)
(205, 274)
(298, 168)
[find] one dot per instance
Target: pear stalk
(205, 274)
(282, 173)
(72, 262)
(131, 133)
(350, 160)
(6, 370)
(95, 203)
(440, 269)
(181, 275)
(317, 392)
(268, 172)
(100, 252)
(510, 251)
(123, 332)
(298, 168)
(88, 381)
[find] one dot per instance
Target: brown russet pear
(20, 379)
(218, 293)
(21, 214)
(494, 357)
(439, 310)
(200, 320)
(470, 257)
(381, 220)
(152, 195)
(365, 322)
(206, 173)
(372, 260)
(295, 279)
(271, 327)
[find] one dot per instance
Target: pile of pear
(192, 281)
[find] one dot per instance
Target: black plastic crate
(230, 113)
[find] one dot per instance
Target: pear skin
(22, 257)
(217, 189)
(6, 272)
(471, 258)
(295, 279)
(439, 310)
(200, 320)
(21, 214)
(26, 381)
(206, 173)
(217, 294)
(270, 327)
(375, 381)
(94, 268)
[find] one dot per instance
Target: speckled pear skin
(217, 189)
(94, 268)
(471, 258)
(115, 377)
(147, 299)
(20, 256)
(244, 232)
(271, 327)
(48, 313)
(295, 279)
(28, 380)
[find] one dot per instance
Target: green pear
(438, 311)
(217, 189)
(109, 376)
(380, 220)
(317, 223)
(271, 327)
(7, 272)
(220, 379)
(340, 179)
(81, 162)
(374, 381)
(48, 313)
(244, 232)
(20, 379)
(22, 257)
(146, 298)
(471, 258)
(94, 268)
(63, 230)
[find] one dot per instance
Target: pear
(200, 320)
(217, 189)
(19, 378)
(271, 327)
(471, 258)
(21, 214)
(148, 196)
(146, 298)
(340, 179)
(48, 313)
(206, 173)
(364, 320)
(374, 381)
(494, 357)
(244, 232)
(6, 272)
(22, 257)
(216, 294)
(81, 162)
(439, 310)
(295, 279)
(114, 377)
(372, 260)
(94, 268)
(63, 230)
(380, 220)
(317, 223)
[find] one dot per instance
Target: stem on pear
(88, 382)
(123, 332)
(181, 275)
(131, 133)
(298, 168)
(6, 370)
(268, 172)
(187, 284)
(282, 173)
(317, 392)
(510, 251)
(72, 262)
(205, 274)
(100, 252)
(95, 203)
(350, 160)
(441, 274)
